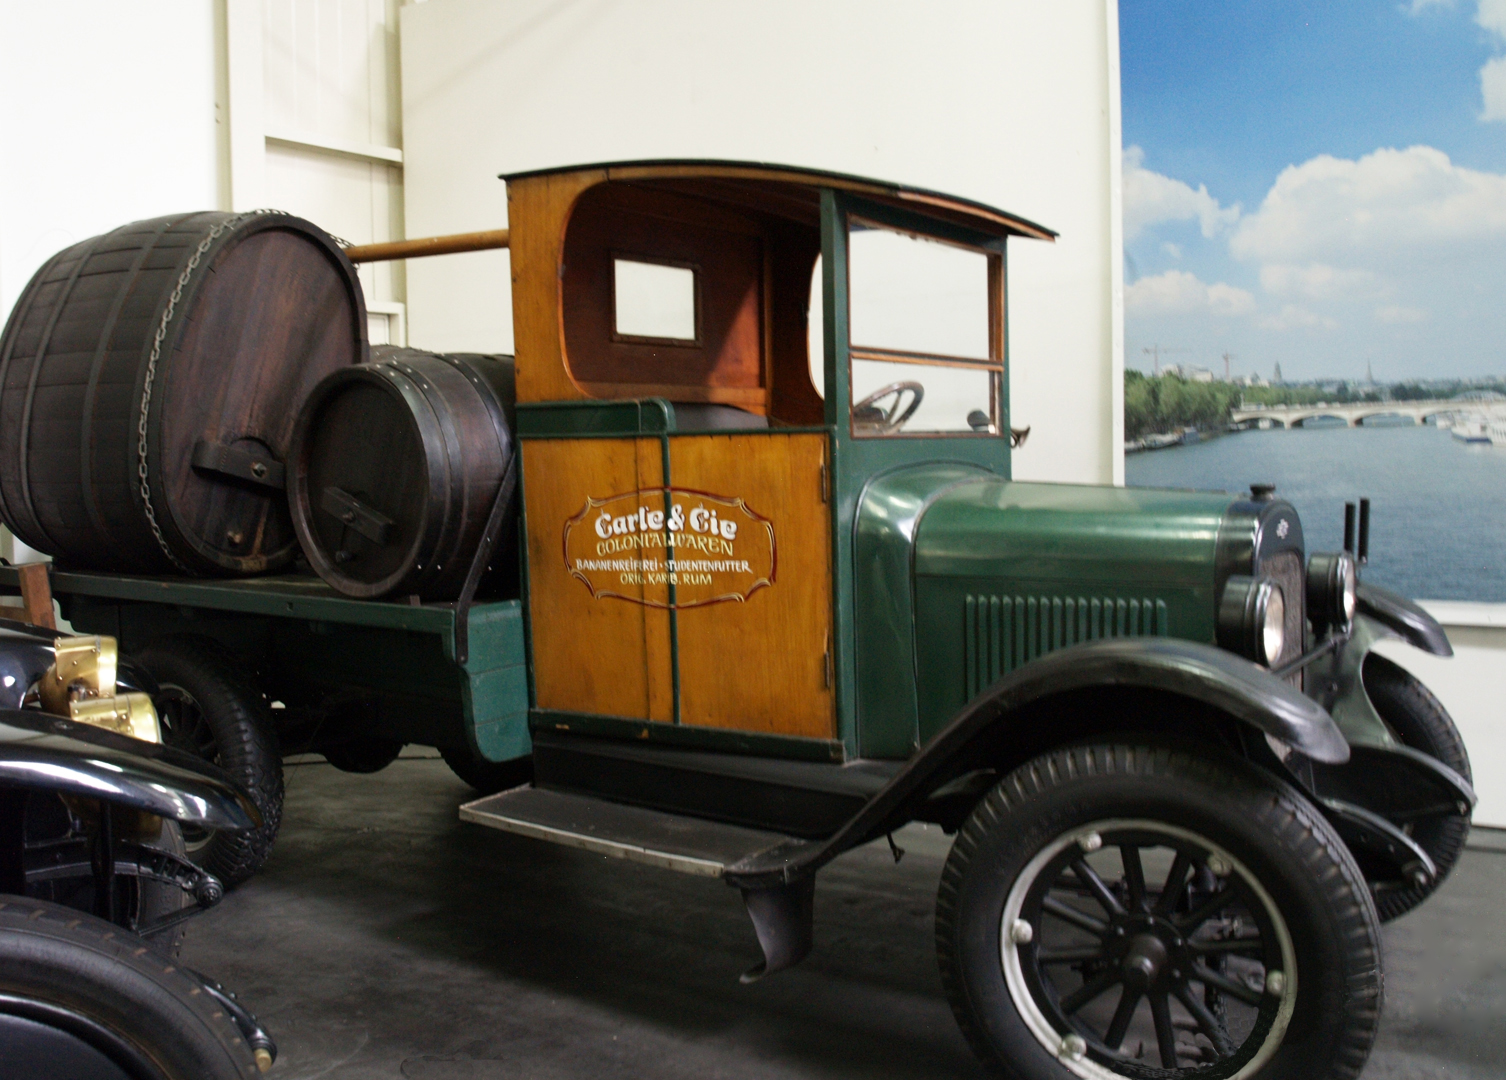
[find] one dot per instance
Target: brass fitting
(83, 667)
(81, 686)
(126, 714)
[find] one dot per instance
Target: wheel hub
(1143, 961)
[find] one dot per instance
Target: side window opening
(654, 301)
(922, 358)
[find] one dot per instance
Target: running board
(670, 841)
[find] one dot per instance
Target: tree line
(1165, 403)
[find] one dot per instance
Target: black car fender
(1403, 618)
(42, 751)
(776, 882)
(1384, 781)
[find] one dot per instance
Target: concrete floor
(387, 939)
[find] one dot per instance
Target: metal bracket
(232, 461)
(1370, 832)
(500, 508)
(783, 918)
(369, 522)
(80, 858)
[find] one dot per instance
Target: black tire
(211, 707)
(76, 992)
(1248, 838)
(487, 777)
(362, 754)
(1420, 722)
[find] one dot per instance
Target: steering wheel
(866, 413)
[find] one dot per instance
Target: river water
(1438, 505)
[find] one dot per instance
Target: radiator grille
(1285, 568)
(1003, 632)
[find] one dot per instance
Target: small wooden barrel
(394, 469)
(149, 383)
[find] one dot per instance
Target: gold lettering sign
(670, 547)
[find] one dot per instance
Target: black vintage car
(91, 812)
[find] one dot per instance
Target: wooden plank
(594, 654)
(751, 398)
(537, 209)
(725, 252)
(36, 595)
(761, 664)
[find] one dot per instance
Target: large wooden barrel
(395, 467)
(149, 383)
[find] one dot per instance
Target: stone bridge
(1352, 413)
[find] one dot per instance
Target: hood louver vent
(1003, 632)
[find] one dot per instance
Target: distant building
(1199, 374)
(1276, 375)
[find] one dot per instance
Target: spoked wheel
(1148, 944)
(211, 708)
(1130, 911)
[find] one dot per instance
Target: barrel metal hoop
(215, 232)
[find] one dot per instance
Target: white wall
(1011, 102)
(107, 115)
(316, 126)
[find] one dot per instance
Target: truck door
(699, 594)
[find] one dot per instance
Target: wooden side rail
(429, 245)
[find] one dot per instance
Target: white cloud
(1150, 198)
(1174, 250)
(1493, 89)
(1492, 16)
(1292, 317)
(1399, 314)
(1335, 210)
(1315, 281)
(1417, 6)
(1177, 292)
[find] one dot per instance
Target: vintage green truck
(778, 596)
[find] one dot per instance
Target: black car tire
(211, 707)
(487, 777)
(1264, 849)
(1420, 722)
(79, 997)
(362, 753)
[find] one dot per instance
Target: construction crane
(1156, 352)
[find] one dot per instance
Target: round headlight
(1273, 633)
(1332, 579)
(1252, 619)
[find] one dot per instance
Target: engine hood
(1073, 534)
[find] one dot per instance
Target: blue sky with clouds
(1321, 185)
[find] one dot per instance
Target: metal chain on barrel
(215, 233)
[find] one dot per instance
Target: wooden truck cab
(689, 490)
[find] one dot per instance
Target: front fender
(1403, 619)
(42, 751)
(1216, 678)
